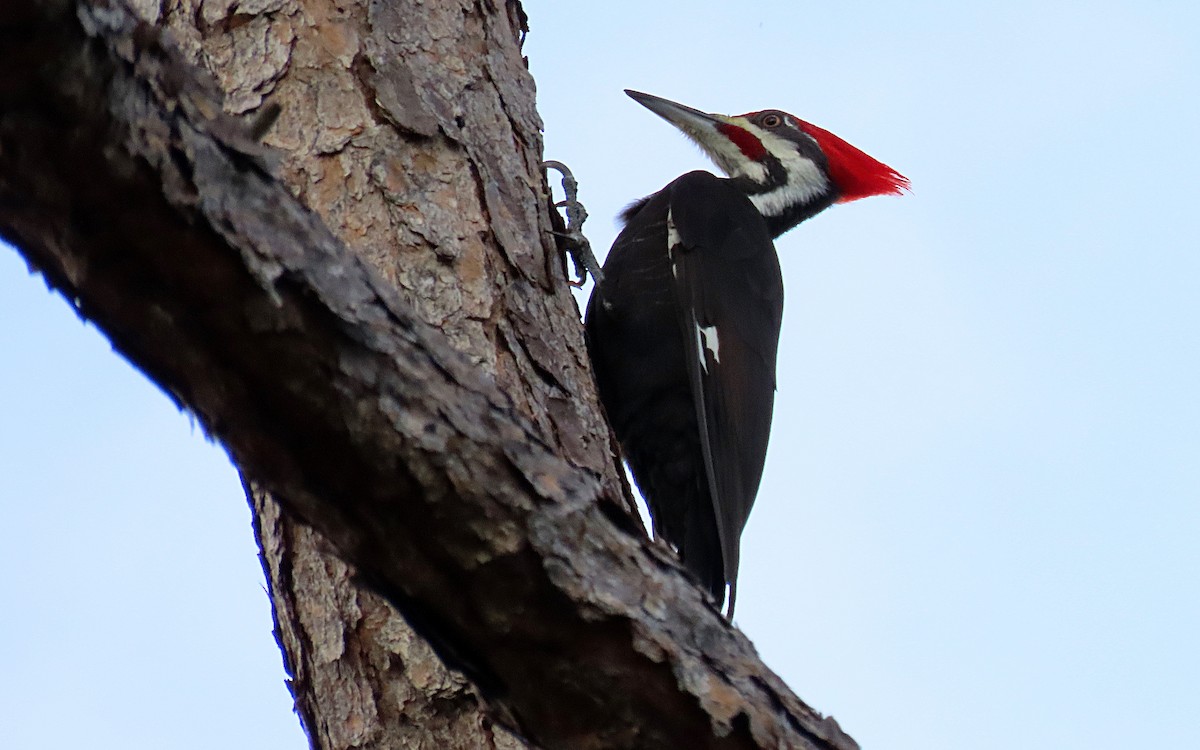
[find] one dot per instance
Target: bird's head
(789, 168)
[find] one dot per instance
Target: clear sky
(980, 519)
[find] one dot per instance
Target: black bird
(684, 327)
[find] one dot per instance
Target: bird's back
(682, 335)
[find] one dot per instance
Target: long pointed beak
(697, 124)
(724, 139)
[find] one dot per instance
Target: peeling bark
(364, 133)
(362, 678)
(383, 110)
(423, 402)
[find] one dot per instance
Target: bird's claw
(572, 239)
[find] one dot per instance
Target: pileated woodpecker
(684, 327)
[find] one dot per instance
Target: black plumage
(683, 329)
(683, 342)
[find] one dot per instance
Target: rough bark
(464, 472)
(361, 677)
(409, 128)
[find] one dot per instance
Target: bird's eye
(772, 121)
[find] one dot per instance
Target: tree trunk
(410, 128)
(429, 411)
(360, 676)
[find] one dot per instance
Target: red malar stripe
(744, 140)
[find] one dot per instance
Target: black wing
(729, 294)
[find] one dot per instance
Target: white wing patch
(706, 338)
(673, 240)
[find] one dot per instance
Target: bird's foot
(570, 235)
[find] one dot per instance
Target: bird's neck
(786, 199)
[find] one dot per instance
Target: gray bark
(422, 402)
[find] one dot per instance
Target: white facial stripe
(805, 182)
(782, 148)
(779, 146)
(737, 165)
(725, 153)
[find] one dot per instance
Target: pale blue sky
(980, 517)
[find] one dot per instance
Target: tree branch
(160, 218)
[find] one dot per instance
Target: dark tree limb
(160, 218)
